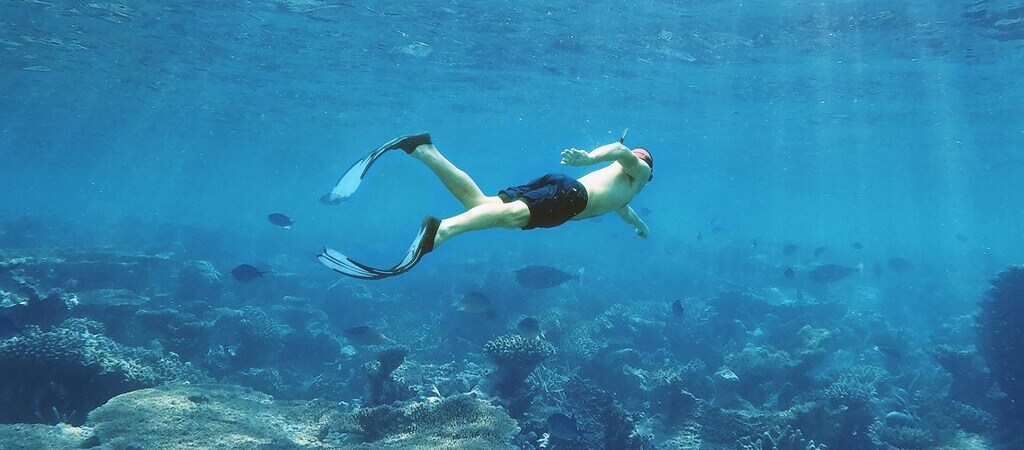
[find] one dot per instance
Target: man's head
(645, 155)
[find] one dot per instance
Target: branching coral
(780, 439)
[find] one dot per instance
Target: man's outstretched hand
(576, 157)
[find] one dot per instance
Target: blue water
(149, 127)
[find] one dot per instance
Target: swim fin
(349, 182)
(423, 244)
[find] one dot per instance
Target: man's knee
(517, 214)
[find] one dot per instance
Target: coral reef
(1001, 342)
(59, 375)
(201, 416)
(458, 422)
(780, 439)
(38, 437)
(515, 357)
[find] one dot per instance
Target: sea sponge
(1001, 342)
(515, 357)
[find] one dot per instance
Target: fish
(819, 251)
(790, 249)
(677, 308)
(898, 264)
(280, 220)
(789, 273)
(246, 273)
(8, 328)
(857, 245)
(889, 352)
(474, 303)
(645, 211)
(365, 335)
(827, 273)
(390, 359)
(716, 229)
(542, 277)
(700, 236)
(962, 238)
(877, 270)
(529, 328)
(563, 426)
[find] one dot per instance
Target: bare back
(608, 189)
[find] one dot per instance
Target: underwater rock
(458, 422)
(203, 416)
(22, 436)
(515, 357)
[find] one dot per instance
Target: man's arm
(605, 153)
(627, 214)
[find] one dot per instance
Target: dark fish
(677, 308)
(898, 264)
(390, 359)
(645, 211)
(827, 273)
(246, 273)
(753, 243)
(857, 245)
(563, 426)
(789, 249)
(819, 251)
(877, 270)
(700, 236)
(889, 352)
(474, 303)
(713, 221)
(789, 273)
(716, 229)
(529, 328)
(542, 277)
(280, 220)
(364, 335)
(962, 238)
(8, 328)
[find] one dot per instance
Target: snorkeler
(545, 202)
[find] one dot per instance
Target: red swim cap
(645, 155)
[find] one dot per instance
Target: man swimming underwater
(545, 202)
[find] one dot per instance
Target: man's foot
(430, 226)
(409, 143)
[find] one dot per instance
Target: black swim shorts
(553, 199)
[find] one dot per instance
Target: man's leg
(458, 183)
(487, 215)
